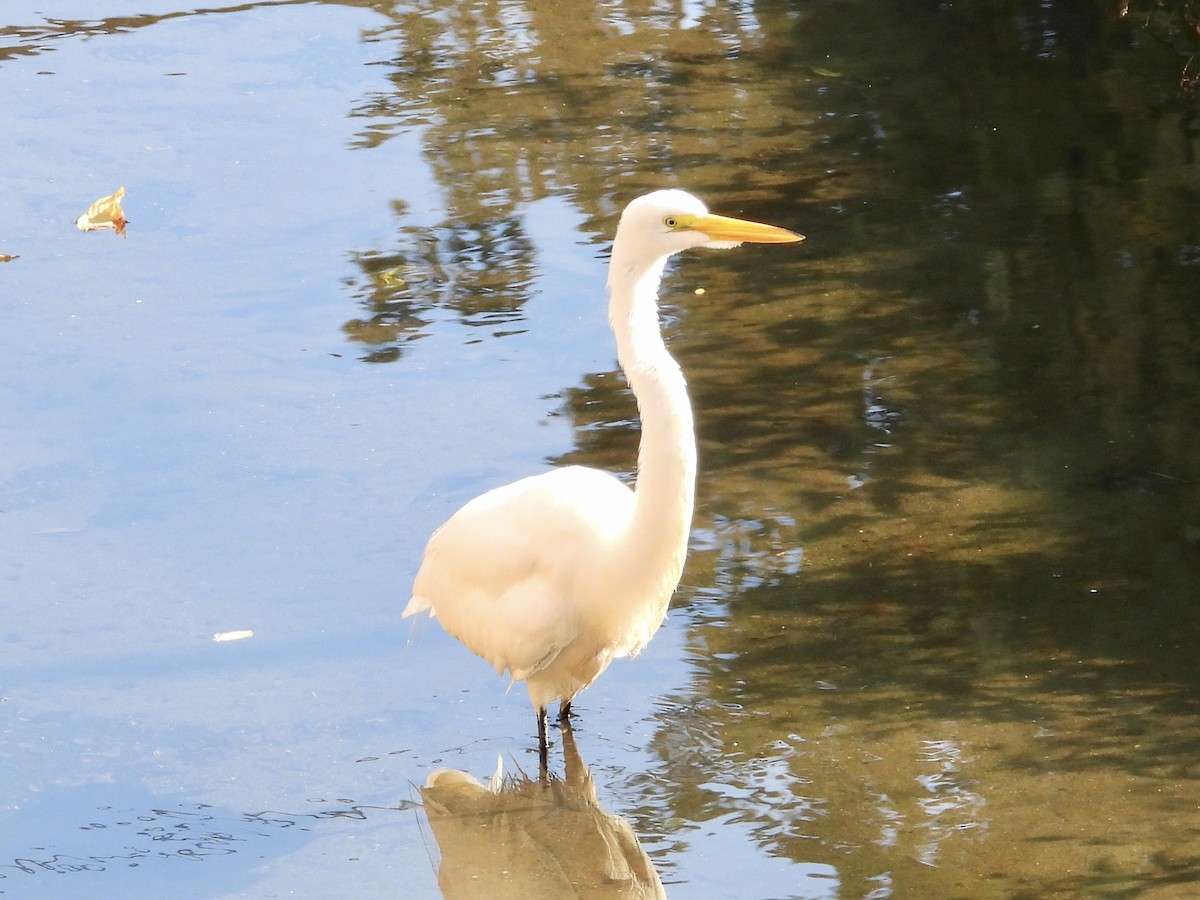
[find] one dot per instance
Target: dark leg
(543, 746)
(564, 712)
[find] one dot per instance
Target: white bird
(554, 576)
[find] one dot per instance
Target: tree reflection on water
(907, 639)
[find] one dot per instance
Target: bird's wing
(501, 573)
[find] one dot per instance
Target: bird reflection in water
(519, 837)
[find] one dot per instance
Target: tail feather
(417, 604)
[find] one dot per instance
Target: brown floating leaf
(104, 213)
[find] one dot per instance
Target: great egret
(554, 576)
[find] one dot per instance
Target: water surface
(937, 632)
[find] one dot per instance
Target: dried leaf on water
(104, 213)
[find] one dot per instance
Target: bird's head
(666, 222)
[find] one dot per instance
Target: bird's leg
(543, 744)
(564, 713)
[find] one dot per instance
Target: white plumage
(552, 577)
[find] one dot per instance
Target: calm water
(937, 636)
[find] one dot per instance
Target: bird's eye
(671, 222)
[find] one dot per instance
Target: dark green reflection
(942, 600)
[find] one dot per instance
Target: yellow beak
(723, 228)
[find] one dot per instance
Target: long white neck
(666, 479)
